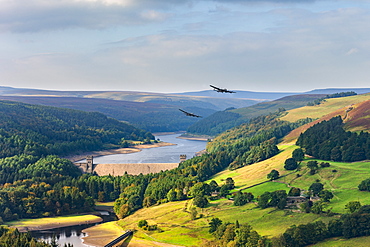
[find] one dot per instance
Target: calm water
(64, 235)
(168, 154)
(70, 234)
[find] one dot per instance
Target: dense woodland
(328, 140)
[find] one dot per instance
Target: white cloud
(46, 15)
(352, 51)
(154, 15)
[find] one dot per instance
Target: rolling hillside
(353, 110)
(340, 178)
(42, 130)
(222, 121)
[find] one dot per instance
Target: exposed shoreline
(54, 222)
(134, 149)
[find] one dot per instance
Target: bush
(142, 223)
(290, 164)
(324, 164)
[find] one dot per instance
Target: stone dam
(121, 169)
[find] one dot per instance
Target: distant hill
(221, 121)
(240, 94)
(338, 90)
(206, 102)
(157, 112)
(153, 112)
(42, 130)
(267, 96)
(149, 116)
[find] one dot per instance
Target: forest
(328, 140)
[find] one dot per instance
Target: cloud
(46, 15)
(289, 48)
(352, 51)
(43, 15)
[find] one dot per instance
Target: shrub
(142, 223)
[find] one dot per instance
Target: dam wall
(133, 169)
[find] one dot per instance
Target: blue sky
(183, 45)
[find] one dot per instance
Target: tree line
(350, 225)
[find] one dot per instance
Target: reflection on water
(70, 234)
(64, 235)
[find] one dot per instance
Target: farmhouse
(295, 200)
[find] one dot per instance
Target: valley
(178, 205)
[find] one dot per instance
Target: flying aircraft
(189, 114)
(222, 90)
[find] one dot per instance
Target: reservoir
(166, 154)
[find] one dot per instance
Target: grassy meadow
(176, 227)
(257, 173)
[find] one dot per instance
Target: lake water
(167, 154)
(70, 234)
(64, 235)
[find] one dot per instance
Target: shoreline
(134, 149)
(48, 223)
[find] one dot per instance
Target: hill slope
(352, 109)
(222, 121)
(42, 130)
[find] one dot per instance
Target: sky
(173, 46)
